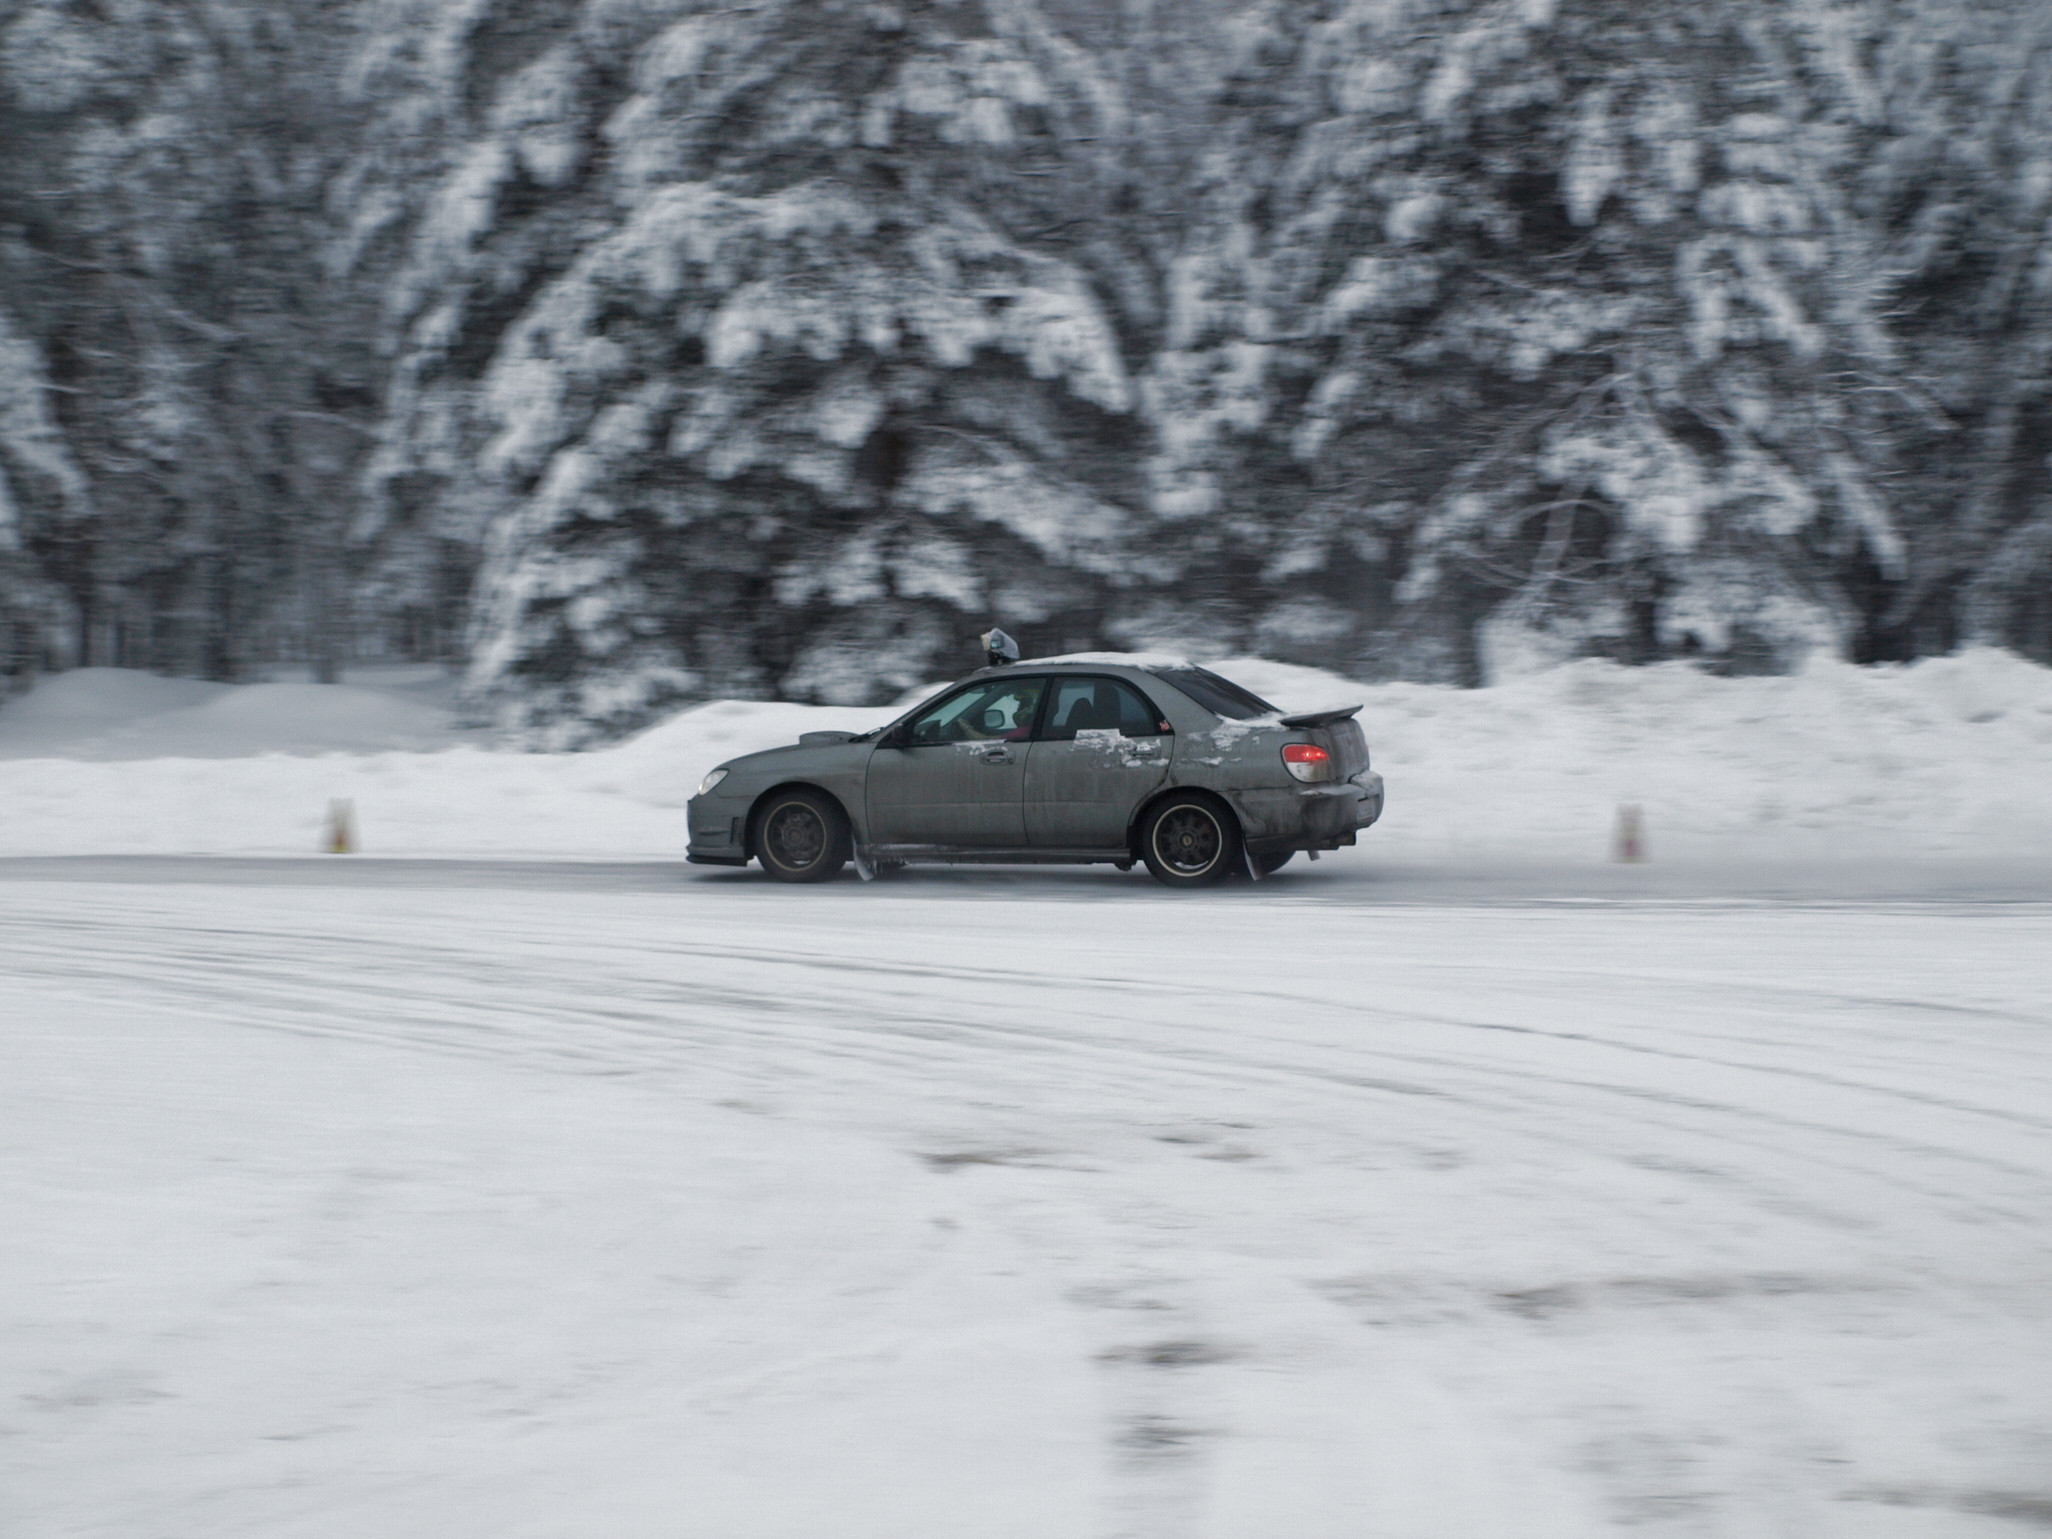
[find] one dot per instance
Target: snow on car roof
(1122, 659)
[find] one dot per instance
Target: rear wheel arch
(1203, 813)
(1145, 810)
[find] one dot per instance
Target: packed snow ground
(1041, 1206)
(1944, 758)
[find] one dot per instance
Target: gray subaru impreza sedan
(1090, 758)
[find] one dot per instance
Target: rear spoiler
(1321, 718)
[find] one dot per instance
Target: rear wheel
(1273, 861)
(1190, 841)
(801, 836)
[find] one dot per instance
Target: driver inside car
(997, 712)
(1009, 716)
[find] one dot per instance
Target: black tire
(801, 835)
(1273, 861)
(1190, 840)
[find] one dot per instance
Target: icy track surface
(1045, 1205)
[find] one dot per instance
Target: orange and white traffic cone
(340, 838)
(1629, 845)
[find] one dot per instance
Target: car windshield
(1221, 697)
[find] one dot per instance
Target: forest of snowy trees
(634, 351)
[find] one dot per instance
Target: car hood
(813, 748)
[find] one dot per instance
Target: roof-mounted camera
(998, 648)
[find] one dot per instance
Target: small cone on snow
(340, 838)
(1630, 843)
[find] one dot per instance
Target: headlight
(705, 786)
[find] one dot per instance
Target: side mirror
(896, 737)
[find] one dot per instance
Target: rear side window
(1100, 705)
(1221, 697)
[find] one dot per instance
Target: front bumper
(719, 831)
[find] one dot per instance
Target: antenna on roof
(998, 648)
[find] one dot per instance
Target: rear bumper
(1369, 806)
(1319, 817)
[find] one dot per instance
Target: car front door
(1104, 747)
(957, 775)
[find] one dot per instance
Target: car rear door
(1103, 747)
(959, 778)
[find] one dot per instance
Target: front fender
(719, 822)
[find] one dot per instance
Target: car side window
(1000, 710)
(1221, 697)
(1084, 705)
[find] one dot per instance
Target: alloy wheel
(796, 835)
(1188, 840)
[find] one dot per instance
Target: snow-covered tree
(791, 392)
(1575, 284)
(39, 486)
(676, 348)
(1955, 183)
(167, 170)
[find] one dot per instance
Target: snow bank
(1945, 757)
(1951, 755)
(119, 713)
(105, 797)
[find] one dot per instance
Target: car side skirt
(1011, 855)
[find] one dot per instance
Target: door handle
(997, 756)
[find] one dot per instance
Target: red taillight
(1307, 762)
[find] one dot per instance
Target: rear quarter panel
(1242, 761)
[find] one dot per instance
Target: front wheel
(801, 836)
(1190, 841)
